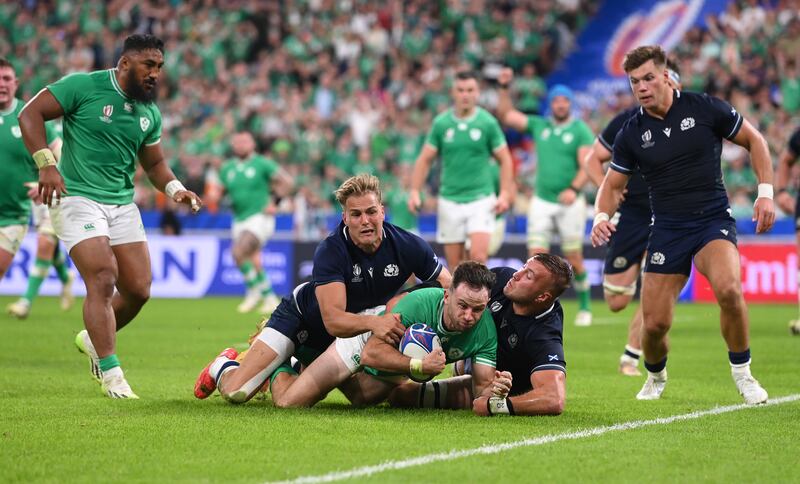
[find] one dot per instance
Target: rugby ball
(419, 340)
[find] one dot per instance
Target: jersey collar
(545, 313)
(464, 120)
(116, 85)
(11, 108)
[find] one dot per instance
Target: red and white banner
(769, 274)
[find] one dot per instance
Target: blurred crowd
(336, 87)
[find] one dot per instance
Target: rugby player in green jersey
(247, 179)
(465, 137)
(561, 143)
(110, 120)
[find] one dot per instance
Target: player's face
(8, 86)
(465, 94)
(143, 71)
(364, 215)
(528, 283)
(464, 306)
(243, 145)
(649, 83)
(560, 107)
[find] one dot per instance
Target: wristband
(44, 157)
(600, 217)
(173, 187)
(415, 368)
(499, 406)
(765, 190)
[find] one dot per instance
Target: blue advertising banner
(621, 25)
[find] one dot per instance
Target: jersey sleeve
(330, 263)
(545, 350)
(794, 144)
(486, 353)
(607, 136)
(497, 139)
(270, 168)
(623, 159)
(726, 120)
(71, 90)
(154, 135)
(426, 264)
(585, 135)
(534, 125)
(434, 138)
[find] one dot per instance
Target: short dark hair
(642, 54)
(464, 75)
(5, 63)
(140, 42)
(560, 269)
(474, 274)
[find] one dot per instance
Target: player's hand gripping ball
(419, 340)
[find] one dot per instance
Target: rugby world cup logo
(647, 137)
(664, 25)
(108, 109)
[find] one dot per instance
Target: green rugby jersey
(465, 147)
(104, 130)
(16, 167)
(557, 153)
(247, 183)
(427, 306)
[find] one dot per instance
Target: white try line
(547, 439)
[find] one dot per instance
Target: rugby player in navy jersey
(785, 200)
(362, 264)
(531, 370)
(675, 141)
(628, 246)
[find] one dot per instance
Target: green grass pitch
(55, 426)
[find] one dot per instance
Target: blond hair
(356, 186)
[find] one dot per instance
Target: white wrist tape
(498, 406)
(764, 190)
(415, 368)
(173, 187)
(600, 217)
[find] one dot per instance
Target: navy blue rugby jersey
(525, 344)
(679, 156)
(370, 279)
(637, 195)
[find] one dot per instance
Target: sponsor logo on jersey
(567, 138)
(657, 259)
(16, 132)
(370, 271)
(462, 126)
(391, 270)
(357, 273)
(88, 227)
(667, 131)
(144, 123)
(647, 137)
(108, 110)
(724, 232)
(128, 107)
(475, 134)
(448, 135)
(545, 133)
(552, 357)
(687, 123)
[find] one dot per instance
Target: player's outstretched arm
(508, 188)
(422, 166)
(41, 108)
(548, 397)
(593, 162)
(482, 378)
(763, 208)
(506, 113)
(383, 356)
(608, 197)
(160, 174)
(332, 299)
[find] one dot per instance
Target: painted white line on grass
(496, 448)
